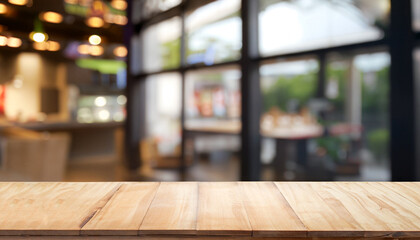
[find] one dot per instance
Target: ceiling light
(96, 50)
(53, 46)
(38, 36)
(18, 2)
(83, 49)
(109, 18)
(14, 42)
(3, 41)
(51, 17)
(3, 8)
(71, 1)
(85, 3)
(95, 40)
(95, 22)
(119, 4)
(40, 46)
(120, 20)
(120, 51)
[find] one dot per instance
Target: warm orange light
(83, 49)
(96, 5)
(51, 17)
(96, 50)
(3, 8)
(109, 18)
(14, 42)
(120, 20)
(120, 51)
(18, 2)
(53, 46)
(119, 4)
(71, 1)
(3, 41)
(95, 22)
(40, 46)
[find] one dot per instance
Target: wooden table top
(178, 210)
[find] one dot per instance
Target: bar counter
(209, 210)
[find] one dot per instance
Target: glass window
(287, 88)
(367, 73)
(296, 25)
(214, 33)
(417, 89)
(148, 8)
(161, 46)
(288, 85)
(212, 98)
(357, 89)
(416, 14)
(335, 88)
(163, 113)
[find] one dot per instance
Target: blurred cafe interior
(209, 90)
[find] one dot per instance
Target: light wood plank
(402, 208)
(377, 213)
(173, 211)
(124, 212)
(234, 210)
(320, 219)
(409, 190)
(220, 210)
(268, 211)
(175, 238)
(50, 208)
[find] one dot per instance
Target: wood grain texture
(220, 210)
(50, 208)
(399, 206)
(320, 219)
(409, 190)
(268, 211)
(124, 212)
(176, 238)
(244, 210)
(376, 211)
(173, 211)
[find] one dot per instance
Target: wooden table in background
(283, 141)
(209, 210)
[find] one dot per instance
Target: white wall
(30, 73)
(24, 101)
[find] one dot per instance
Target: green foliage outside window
(300, 88)
(171, 56)
(375, 102)
(378, 143)
(339, 75)
(375, 98)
